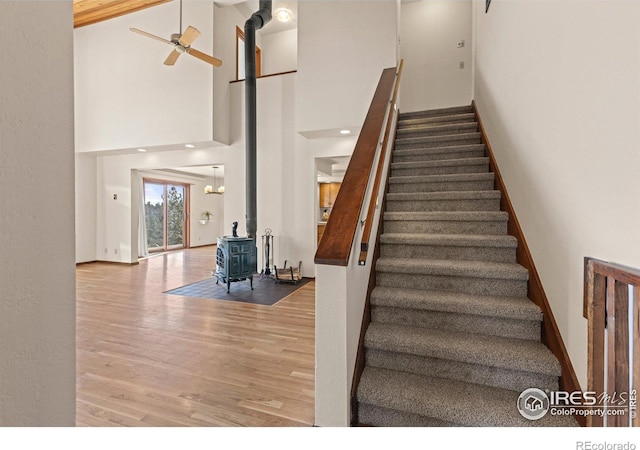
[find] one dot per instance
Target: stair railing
(374, 202)
(360, 178)
(612, 308)
(342, 280)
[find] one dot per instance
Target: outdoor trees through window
(166, 211)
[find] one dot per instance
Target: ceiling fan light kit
(182, 44)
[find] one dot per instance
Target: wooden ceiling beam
(87, 12)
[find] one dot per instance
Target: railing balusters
(636, 346)
(607, 310)
(595, 313)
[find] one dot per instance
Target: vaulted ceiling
(86, 12)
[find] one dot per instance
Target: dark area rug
(265, 292)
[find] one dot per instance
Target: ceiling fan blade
(204, 57)
(172, 58)
(189, 35)
(152, 36)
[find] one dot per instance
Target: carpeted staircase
(453, 339)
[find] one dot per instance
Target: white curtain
(143, 250)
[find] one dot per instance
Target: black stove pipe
(259, 19)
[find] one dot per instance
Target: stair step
(485, 325)
(470, 277)
(447, 222)
(498, 248)
(494, 351)
(457, 402)
(444, 201)
(438, 141)
(466, 109)
(440, 167)
(436, 129)
(518, 308)
(445, 182)
(447, 369)
(438, 153)
(448, 118)
(382, 417)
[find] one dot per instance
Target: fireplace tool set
(286, 274)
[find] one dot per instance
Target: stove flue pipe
(259, 19)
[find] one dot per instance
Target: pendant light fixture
(208, 189)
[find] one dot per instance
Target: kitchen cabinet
(321, 228)
(328, 194)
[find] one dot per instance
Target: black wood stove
(236, 260)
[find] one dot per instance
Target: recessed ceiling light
(345, 131)
(189, 145)
(284, 15)
(142, 150)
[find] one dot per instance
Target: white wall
(557, 88)
(280, 52)
(37, 271)
(342, 49)
(287, 182)
(126, 97)
(286, 160)
(429, 35)
(86, 195)
(117, 220)
(206, 234)
(226, 19)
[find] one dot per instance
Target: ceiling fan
(182, 44)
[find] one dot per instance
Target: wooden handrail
(335, 246)
(366, 234)
(607, 308)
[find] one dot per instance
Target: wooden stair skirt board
(447, 324)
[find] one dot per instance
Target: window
(240, 75)
(166, 206)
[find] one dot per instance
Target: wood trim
(596, 292)
(258, 62)
(621, 360)
(86, 262)
(636, 346)
(361, 356)
(611, 340)
(240, 35)
(87, 12)
(335, 247)
(266, 76)
(118, 263)
(619, 272)
(366, 317)
(364, 245)
(551, 336)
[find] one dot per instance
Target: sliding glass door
(166, 213)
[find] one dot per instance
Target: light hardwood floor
(145, 358)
